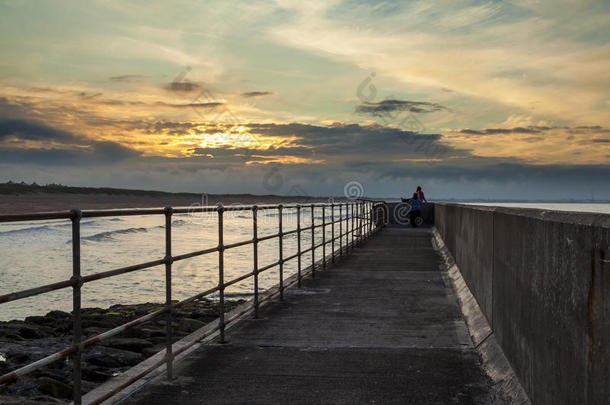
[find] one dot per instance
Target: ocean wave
(28, 230)
(109, 235)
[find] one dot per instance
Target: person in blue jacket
(415, 211)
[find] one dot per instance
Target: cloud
(533, 129)
(257, 94)
(32, 130)
(183, 86)
(96, 154)
(385, 108)
(55, 146)
(127, 78)
(495, 131)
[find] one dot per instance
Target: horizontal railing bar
(237, 244)
(291, 257)
(196, 297)
(267, 237)
(238, 279)
(147, 211)
(36, 365)
(122, 213)
(194, 254)
(267, 267)
(36, 216)
(35, 291)
(122, 328)
(122, 270)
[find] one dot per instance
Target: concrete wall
(541, 279)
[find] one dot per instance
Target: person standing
(415, 210)
(420, 194)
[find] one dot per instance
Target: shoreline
(25, 341)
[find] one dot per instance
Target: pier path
(382, 326)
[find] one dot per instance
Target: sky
(469, 99)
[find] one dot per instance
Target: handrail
(360, 220)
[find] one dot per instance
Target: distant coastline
(22, 197)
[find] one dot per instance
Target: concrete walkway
(381, 327)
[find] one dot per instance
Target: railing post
(324, 237)
(365, 223)
(221, 268)
(332, 231)
(299, 281)
(340, 230)
(255, 256)
(360, 223)
(313, 242)
(77, 283)
(365, 226)
(169, 356)
(352, 221)
(370, 218)
(281, 249)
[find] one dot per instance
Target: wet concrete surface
(382, 326)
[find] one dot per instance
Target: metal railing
(359, 221)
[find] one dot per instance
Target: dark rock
(131, 344)
(37, 400)
(54, 388)
(17, 357)
(58, 315)
(29, 333)
(10, 334)
(111, 357)
(5, 367)
(112, 321)
(36, 319)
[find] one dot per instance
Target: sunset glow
(386, 93)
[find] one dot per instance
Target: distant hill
(24, 188)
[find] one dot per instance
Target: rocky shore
(22, 342)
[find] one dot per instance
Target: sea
(37, 253)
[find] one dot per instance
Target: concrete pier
(382, 326)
